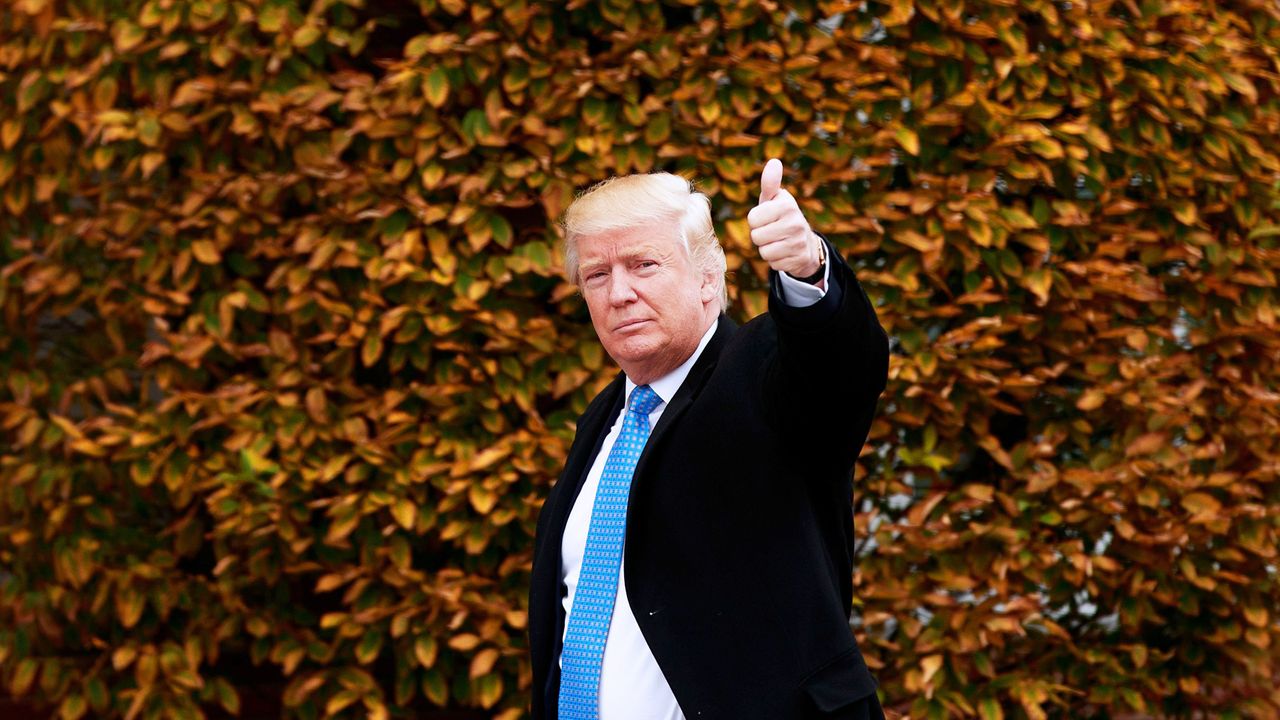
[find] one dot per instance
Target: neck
(643, 374)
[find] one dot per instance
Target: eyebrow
(633, 253)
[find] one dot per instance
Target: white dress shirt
(632, 686)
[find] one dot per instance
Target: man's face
(648, 303)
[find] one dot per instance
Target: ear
(710, 290)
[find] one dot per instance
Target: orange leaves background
(288, 362)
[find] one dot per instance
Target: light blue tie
(598, 580)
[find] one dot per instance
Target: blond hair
(629, 201)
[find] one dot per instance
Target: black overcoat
(739, 539)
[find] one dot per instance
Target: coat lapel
(590, 433)
(689, 390)
(588, 436)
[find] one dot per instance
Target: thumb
(770, 179)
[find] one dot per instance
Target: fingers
(793, 227)
(771, 210)
(770, 180)
(789, 255)
(775, 251)
(778, 226)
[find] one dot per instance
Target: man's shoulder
(761, 327)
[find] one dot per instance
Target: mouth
(629, 325)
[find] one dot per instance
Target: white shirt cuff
(801, 294)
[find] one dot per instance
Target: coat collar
(667, 385)
(595, 425)
(690, 388)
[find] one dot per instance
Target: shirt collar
(667, 385)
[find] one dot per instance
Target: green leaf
(539, 254)
(126, 35)
(436, 87)
(271, 19)
(1264, 231)
(405, 513)
(96, 690)
(306, 35)
(424, 649)
(369, 647)
(417, 47)
(502, 233)
(475, 125)
(1038, 281)
(908, 139)
(435, 688)
(23, 676)
(594, 110)
(371, 349)
(227, 696)
(488, 690)
(149, 130)
(73, 707)
(340, 701)
(1017, 218)
(1242, 85)
(658, 129)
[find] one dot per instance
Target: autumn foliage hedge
(287, 363)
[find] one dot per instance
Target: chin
(636, 350)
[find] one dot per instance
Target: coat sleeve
(830, 367)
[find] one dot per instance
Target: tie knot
(643, 400)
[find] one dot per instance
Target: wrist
(814, 273)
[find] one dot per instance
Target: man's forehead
(628, 242)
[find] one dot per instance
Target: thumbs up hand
(778, 227)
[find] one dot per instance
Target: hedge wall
(288, 363)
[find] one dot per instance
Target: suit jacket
(739, 538)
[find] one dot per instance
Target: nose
(621, 290)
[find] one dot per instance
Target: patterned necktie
(598, 580)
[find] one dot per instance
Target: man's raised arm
(833, 355)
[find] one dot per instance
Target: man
(694, 559)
